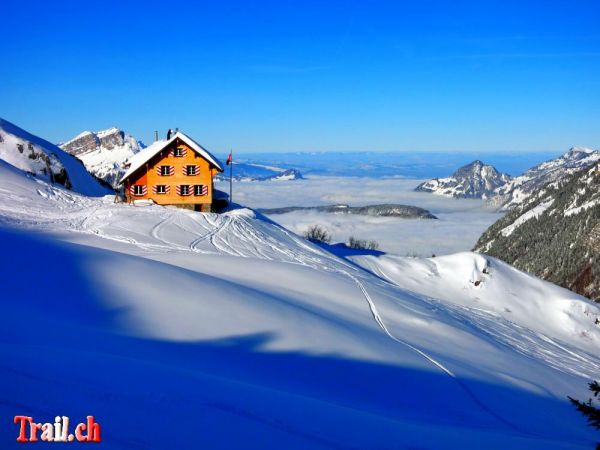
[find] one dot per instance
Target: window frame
(187, 189)
(168, 170)
(200, 186)
(158, 189)
(193, 167)
(139, 193)
(178, 152)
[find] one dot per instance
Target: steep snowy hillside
(494, 291)
(39, 157)
(520, 188)
(104, 153)
(475, 180)
(189, 330)
(554, 233)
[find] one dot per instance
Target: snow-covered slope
(554, 233)
(228, 331)
(104, 153)
(45, 160)
(492, 290)
(475, 180)
(520, 188)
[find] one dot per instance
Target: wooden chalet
(176, 171)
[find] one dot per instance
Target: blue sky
(487, 76)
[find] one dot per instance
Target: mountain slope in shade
(104, 153)
(232, 332)
(520, 188)
(475, 180)
(46, 161)
(554, 232)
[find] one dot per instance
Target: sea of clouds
(459, 225)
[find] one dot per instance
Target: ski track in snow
(381, 324)
(514, 336)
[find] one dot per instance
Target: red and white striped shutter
(144, 190)
(159, 171)
(183, 151)
(155, 189)
(204, 189)
(196, 170)
(167, 189)
(179, 192)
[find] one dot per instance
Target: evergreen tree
(589, 409)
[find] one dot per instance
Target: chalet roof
(142, 157)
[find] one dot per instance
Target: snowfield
(186, 330)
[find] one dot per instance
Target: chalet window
(161, 189)
(165, 171)
(191, 170)
(200, 189)
(184, 189)
(138, 189)
(179, 152)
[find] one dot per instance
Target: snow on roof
(139, 159)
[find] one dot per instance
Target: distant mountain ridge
(383, 210)
(474, 180)
(520, 188)
(104, 152)
(478, 180)
(247, 171)
(554, 233)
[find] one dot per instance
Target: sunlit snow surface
(186, 330)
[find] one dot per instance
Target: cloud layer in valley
(459, 225)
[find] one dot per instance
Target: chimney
(155, 135)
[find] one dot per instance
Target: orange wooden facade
(166, 189)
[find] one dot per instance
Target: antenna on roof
(155, 135)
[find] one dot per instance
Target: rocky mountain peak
(89, 141)
(104, 152)
(474, 180)
(111, 138)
